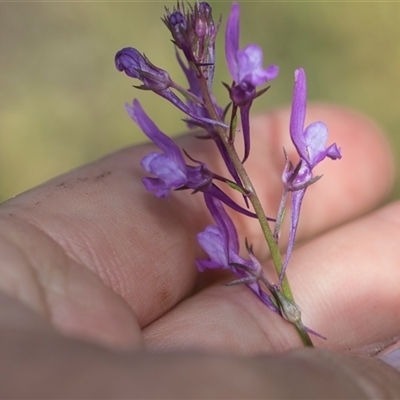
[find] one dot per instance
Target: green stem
(255, 201)
(252, 195)
(304, 336)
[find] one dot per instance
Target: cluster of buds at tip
(194, 32)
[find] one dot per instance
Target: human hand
(102, 260)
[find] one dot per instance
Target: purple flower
(310, 142)
(221, 243)
(247, 72)
(311, 147)
(170, 168)
(245, 66)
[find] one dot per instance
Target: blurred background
(62, 100)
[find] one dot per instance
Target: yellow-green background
(62, 100)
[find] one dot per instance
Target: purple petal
(130, 61)
(165, 169)
(232, 41)
(250, 66)
(333, 152)
(315, 138)
(212, 241)
(298, 113)
(203, 265)
(223, 221)
(156, 186)
(153, 133)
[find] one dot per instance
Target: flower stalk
(194, 35)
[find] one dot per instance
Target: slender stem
(305, 337)
(250, 190)
(255, 201)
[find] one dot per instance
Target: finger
(36, 365)
(103, 219)
(35, 270)
(347, 280)
(143, 247)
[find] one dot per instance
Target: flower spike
(194, 32)
(170, 168)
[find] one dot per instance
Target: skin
(99, 295)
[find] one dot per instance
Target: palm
(101, 258)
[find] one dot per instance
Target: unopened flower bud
(178, 27)
(204, 23)
(138, 66)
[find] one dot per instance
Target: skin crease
(100, 297)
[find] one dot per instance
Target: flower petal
(298, 113)
(130, 61)
(213, 243)
(165, 169)
(224, 222)
(334, 152)
(250, 66)
(232, 41)
(156, 186)
(150, 129)
(203, 265)
(315, 137)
